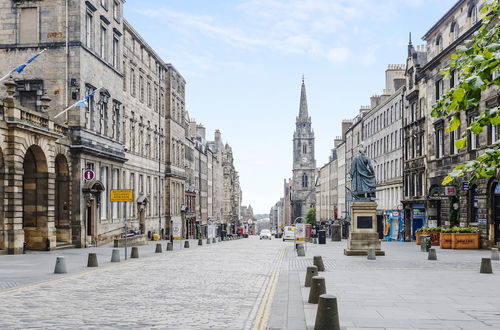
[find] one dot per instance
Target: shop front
(394, 227)
(418, 218)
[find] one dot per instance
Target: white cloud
(338, 54)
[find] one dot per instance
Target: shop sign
(450, 191)
(88, 175)
(418, 212)
(481, 221)
(465, 185)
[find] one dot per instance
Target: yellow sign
(300, 239)
(121, 195)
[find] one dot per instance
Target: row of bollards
(60, 267)
(327, 315)
(485, 268)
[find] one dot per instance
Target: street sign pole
(126, 239)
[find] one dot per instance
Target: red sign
(89, 174)
(450, 191)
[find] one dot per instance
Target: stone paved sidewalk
(402, 290)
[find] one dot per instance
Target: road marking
(261, 319)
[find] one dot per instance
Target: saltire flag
(20, 68)
(84, 103)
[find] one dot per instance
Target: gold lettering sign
(122, 195)
(55, 35)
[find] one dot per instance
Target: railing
(34, 119)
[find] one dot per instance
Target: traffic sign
(300, 232)
(88, 175)
(176, 230)
(121, 195)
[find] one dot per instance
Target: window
(132, 186)
(103, 48)
(132, 82)
(495, 133)
(116, 52)
(473, 14)
(304, 181)
(104, 3)
(453, 78)
(439, 142)
(104, 194)
(439, 89)
(472, 138)
(455, 31)
(116, 121)
(124, 77)
(115, 185)
(89, 30)
(90, 110)
(28, 26)
(141, 89)
(439, 44)
(413, 109)
(116, 10)
(149, 95)
(454, 135)
(304, 149)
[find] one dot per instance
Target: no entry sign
(88, 175)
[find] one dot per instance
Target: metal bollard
(315, 240)
(200, 242)
(486, 266)
(318, 288)
(327, 315)
(318, 262)
(214, 240)
(301, 252)
(494, 254)
(115, 255)
(170, 246)
(186, 244)
(135, 252)
(158, 248)
(371, 254)
(432, 255)
(60, 266)
(310, 273)
(208, 240)
(92, 260)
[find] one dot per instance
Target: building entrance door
(496, 217)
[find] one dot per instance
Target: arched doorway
(62, 200)
(92, 191)
(3, 234)
(35, 199)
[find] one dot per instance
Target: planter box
(434, 235)
(465, 241)
(445, 240)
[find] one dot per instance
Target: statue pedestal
(364, 233)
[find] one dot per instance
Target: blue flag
(85, 101)
(20, 68)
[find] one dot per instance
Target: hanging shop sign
(450, 191)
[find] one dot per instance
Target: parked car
(265, 234)
(289, 233)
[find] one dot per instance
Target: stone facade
(304, 162)
(133, 134)
(456, 204)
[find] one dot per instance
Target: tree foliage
(311, 216)
(477, 64)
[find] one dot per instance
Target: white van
(288, 233)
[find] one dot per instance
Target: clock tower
(304, 164)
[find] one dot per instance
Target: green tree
(477, 64)
(311, 216)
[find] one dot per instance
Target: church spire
(303, 115)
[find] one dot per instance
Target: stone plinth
(364, 230)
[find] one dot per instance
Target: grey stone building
(458, 203)
(304, 163)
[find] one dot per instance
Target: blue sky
(243, 61)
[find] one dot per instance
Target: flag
(84, 103)
(20, 68)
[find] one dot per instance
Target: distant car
(265, 233)
(289, 233)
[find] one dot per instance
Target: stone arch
(35, 199)
(493, 228)
(62, 199)
(3, 234)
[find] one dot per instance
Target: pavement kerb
(106, 266)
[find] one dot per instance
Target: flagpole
(25, 63)
(6, 76)
(74, 104)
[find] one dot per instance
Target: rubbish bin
(322, 236)
(425, 243)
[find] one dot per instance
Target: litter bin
(156, 237)
(321, 236)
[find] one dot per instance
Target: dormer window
(439, 44)
(455, 31)
(473, 14)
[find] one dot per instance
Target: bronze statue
(363, 177)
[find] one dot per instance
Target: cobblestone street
(216, 286)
